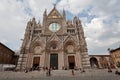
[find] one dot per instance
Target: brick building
(115, 56)
(7, 56)
(100, 61)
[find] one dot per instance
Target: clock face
(54, 27)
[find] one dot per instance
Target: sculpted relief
(70, 49)
(37, 50)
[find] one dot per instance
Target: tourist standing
(73, 72)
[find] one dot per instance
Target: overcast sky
(100, 20)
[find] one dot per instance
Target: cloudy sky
(100, 20)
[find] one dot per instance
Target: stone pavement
(60, 75)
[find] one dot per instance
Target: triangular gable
(38, 38)
(54, 14)
(69, 38)
(54, 37)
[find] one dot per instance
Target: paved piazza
(60, 75)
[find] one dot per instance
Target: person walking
(49, 72)
(73, 72)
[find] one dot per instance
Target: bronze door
(54, 61)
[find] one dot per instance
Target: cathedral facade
(56, 43)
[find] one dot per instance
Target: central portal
(54, 61)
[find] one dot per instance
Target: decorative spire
(79, 22)
(45, 12)
(33, 19)
(44, 17)
(64, 14)
(39, 23)
(75, 20)
(54, 4)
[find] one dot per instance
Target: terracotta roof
(6, 47)
(113, 50)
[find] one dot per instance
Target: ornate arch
(36, 47)
(53, 45)
(69, 46)
(94, 62)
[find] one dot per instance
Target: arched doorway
(36, 61)
(54, 61)
(71, 62)
(94, 62)
(70, 55)
(53, 47)
(34, 58)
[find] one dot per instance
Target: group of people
(81, 70)
(32, 69)
(48, 70)
(117, 70)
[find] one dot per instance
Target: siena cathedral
(56, 43)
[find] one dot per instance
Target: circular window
(54, 27)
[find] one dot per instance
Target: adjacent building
(7, 56)
(100, 61)
(56, 43)
(115, 56)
